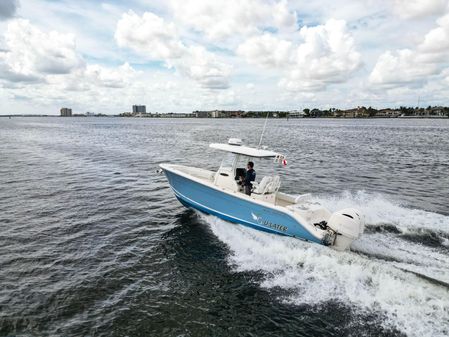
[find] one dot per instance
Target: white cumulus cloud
(205, 68)
(149, 34)
(266, 50)
(221, 19)
(413, 66)
(419, 8)
(403, 66)
(30, 53)
(326, 54)
(152, 36)
(437, 39)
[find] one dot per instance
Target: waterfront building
(216, 114)
(235, 114)
(201, 114)
(296, 114)
(177, 115)
(387, 113)
(66, 112)
(139, 109)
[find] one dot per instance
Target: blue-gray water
(93, 242)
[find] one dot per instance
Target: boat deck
(279, 198)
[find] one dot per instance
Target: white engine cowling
(349, 224)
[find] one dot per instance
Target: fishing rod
(263, 130)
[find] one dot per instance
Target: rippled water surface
(93, 242)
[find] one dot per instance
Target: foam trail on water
(315, 274)
(414, 256)
(428, 261)
(379, 210)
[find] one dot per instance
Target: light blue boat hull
(234, 209)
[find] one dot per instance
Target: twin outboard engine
(348, 224)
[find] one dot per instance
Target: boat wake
(393, 269)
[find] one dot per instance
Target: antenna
(263, 130)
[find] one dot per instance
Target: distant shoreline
(360, 112)
(193, 117)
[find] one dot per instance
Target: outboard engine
(348, 224)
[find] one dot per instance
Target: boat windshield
(237, 165)
(228, 161)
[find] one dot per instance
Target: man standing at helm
(250, 176)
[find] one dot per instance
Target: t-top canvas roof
(245, 150)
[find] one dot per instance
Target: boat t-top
(266, 208)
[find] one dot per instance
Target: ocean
(94, 243)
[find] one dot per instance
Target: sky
(185, 55)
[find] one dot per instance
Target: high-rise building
(139, 108)
(66, 112)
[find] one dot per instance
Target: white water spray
(374, 281)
